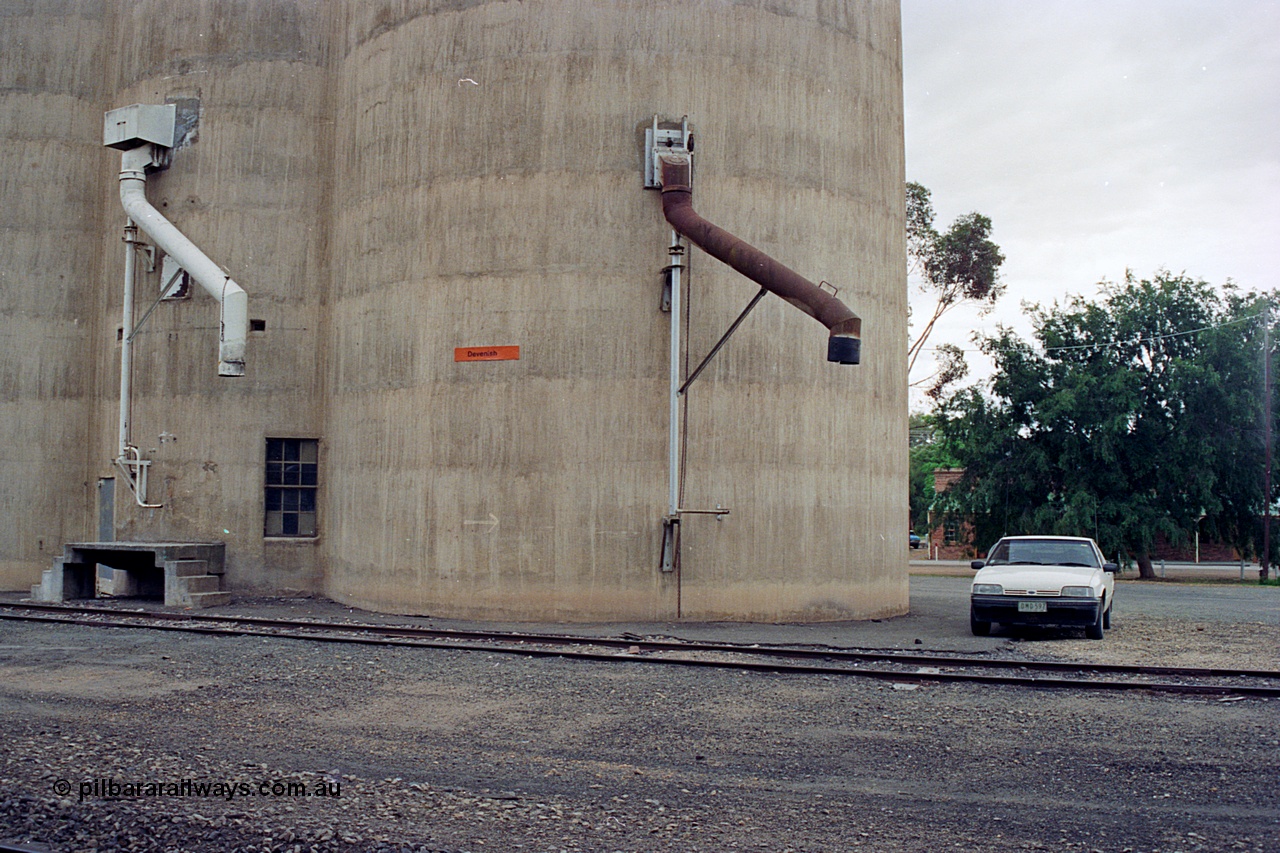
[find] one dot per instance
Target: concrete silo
(49, 236)
(488, 192)
(246, 183)
(457, 290)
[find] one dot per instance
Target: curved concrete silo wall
(247, 185)
(488, 193)
(50, 132)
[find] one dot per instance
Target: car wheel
(1106, 619)
(1094, 631)
(977, 626)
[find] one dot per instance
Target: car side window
(999, 555)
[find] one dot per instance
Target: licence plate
(1032, 607)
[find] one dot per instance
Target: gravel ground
(413, 750)
(1150, 641)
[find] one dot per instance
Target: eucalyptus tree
(1131, 419)
(956, 266)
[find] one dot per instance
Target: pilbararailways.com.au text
(116, 789)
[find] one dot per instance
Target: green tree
(1236, 353)
(960, 265)
(1131, 419)
(928, 453)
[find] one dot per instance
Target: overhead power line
(1107, 344)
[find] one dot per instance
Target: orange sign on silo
(486, 353)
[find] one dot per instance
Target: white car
(1043, 580)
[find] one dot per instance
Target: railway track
(900, 667)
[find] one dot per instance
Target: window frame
(291, 487)
(951, 532)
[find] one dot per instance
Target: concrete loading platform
(185, 574)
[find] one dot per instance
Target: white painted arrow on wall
(491, 522)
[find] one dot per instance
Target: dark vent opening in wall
(257, 325)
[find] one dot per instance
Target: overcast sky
(1098, 137)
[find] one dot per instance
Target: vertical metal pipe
(129, 460)
(126, 345)
(676, 251)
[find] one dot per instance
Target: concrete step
(186, 578)
(64, 582)
(188, 568)
(202, 583)
(209, 599)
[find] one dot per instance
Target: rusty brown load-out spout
(845, 343)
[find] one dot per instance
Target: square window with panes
(951, 533)
(292, 477)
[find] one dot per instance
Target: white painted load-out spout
(234, 326)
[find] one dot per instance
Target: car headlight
(988, 589)
(1079, 592)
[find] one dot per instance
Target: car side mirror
(1110, 567)
(976, 564)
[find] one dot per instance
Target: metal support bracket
(176, 281)
(723, 339)
(134, 468)
(133, 238)
(174, 290)
(670, 542)
(671, 275)
(671, 534)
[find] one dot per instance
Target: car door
(1108, 578)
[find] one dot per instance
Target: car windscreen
(1042, 552)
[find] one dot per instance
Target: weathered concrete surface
(249, 190)
(50, 126)
(497, 200)
(389, 181)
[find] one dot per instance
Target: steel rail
(408, 637)
(661, 645)
(10, 847)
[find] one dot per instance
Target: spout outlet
(843, 349)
